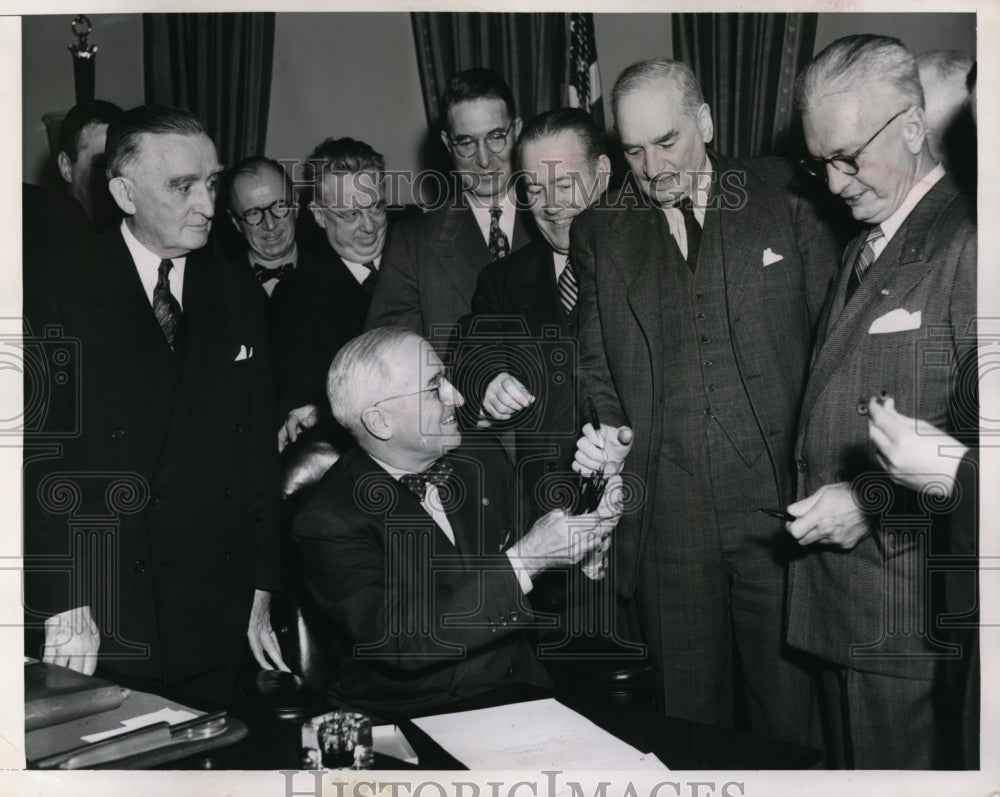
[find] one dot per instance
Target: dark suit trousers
(711, 588)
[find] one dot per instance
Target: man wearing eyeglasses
(432, 261)
(895, 324)
(416, 571)
(323, 304)
(262, 208)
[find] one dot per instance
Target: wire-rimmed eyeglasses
(845, 164)
(495, 140)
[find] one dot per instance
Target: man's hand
(910, 450)
(263, 640)
(557, 539)
(298, 420)
(72, 640)
(505, 396)
(603, 450)
(829, 516)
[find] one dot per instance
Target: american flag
(583, 83)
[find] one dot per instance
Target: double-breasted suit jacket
(408, 620)
(160, 493)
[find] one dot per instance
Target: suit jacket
(430, 266)
(518, 325)
(772, 309)
(156, 503)
(314, 311)
(840, 600)
(411, 621)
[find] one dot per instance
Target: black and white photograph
(573, 399)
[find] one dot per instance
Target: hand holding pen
(601, 448)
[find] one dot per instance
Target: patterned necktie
(693, 230)
(499, 245)
(864, 261)
(263, 274)
(165, 307)
(368, 285)
(437, 474)
(567, 287)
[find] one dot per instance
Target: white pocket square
(897, 320)
(771, 257)
(245, 353)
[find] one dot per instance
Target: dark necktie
(499, 245)
(368, 285)
(437, 474)
(165, 307)
(864, 261)
(693, 230)
(567, 286)
(263, 274)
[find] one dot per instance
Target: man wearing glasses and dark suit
(432, 261)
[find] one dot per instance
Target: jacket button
(699, 296)
(227, 557)
(154, 500)
(514, 617)
(239, 428)
(800, 465)
(226, 491)
(503, 622)
(700, 316)
(862, 408)
(704, 338)
(510, 671)
(118, 434)
(139, 566)
(711, 388)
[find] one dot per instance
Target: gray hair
(642, 73)
(359, 373)
(853, 62)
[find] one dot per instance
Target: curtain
(526, 50)
(747, 64)
(219, 67)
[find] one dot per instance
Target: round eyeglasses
(845, 164)
(278, 209)
(495, 140)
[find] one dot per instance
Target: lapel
(742, 233)
(537, 294)
(108, 301)
(524, 228)
(460, 247)
(900, 267)
(636, 249)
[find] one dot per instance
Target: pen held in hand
(778, 514)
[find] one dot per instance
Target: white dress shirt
(148, 265)
(675, 219)
(892, 224)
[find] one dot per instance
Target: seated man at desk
(416, 573)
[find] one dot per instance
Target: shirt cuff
(521, 572)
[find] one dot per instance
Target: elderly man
(861, 594)
(323, 304)
(432, 261)
(167, 436)
(261, 203)
(699, 295)
(414, 563)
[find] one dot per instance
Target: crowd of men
(798, 420)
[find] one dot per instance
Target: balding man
(416, 570)
(897, 320)
(700, 286)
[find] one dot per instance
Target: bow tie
(437, 474)
(264, 274)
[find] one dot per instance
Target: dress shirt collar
(360, 272)
(147, 263)
(431, 502)
(559, 261)
(892, 224)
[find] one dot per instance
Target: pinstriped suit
(864, 609)
(696, 554)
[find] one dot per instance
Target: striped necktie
(166, 308)
(499, 245)
(864, 261)
(567, 286)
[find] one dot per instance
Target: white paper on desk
(173, 716)
(539, 734)
(389, 740)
